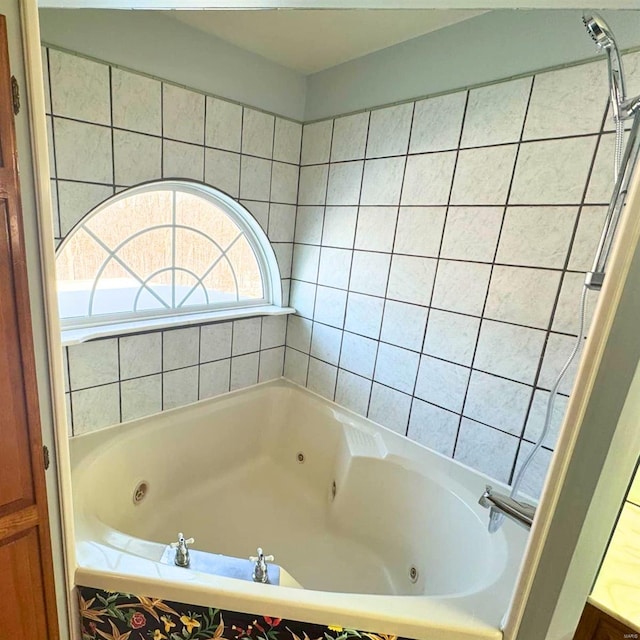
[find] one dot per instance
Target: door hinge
(15, 94)
(47, 459)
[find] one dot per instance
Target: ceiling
(312, 40)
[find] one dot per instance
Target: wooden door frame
(549, 563)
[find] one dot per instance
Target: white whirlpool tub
(381, 533)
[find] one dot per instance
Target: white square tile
(296, 365)
(433, 427)
(497, 402)
(461, 286)
(180, 160)
(214, 378)
(437, 123)
(76, 200)
(141, 397)
(79, 88)
(137, 158)
(282, 220)
(182, 114)
(587, 236)
(284, 183)
(222, 171)
(483, 175)
(339, 227)
(403, 325)
(257, 133)
(353, 391)
(316, 142)
(322, 378)
(485, 449)
(246, 336)
(396, 367)
(255, 178)
(634, 490)
(313, 184)
(308, 224)
(389, 130)
(427, 179)
(330, 306)
(522, 296)
(335, 266)
(95, 408)
(284, 256)
(271, 364)
(537, 416)
(364, 314)
(302, 298)
(419, 230)
(288, 138)
(259, 210)
(345, 180)
(224, 124)
(495, 114)
(382, 182)
(552, 172)
(601, 182)
(349, 137)
(471, 233)
(180, 348)
(299, 333)
(83, 151)
(369, 273)
(244, 371)
(411, 279)
(140, 355)
(137, 102)
(215, 341)
(274, 329)
(547, 113)
(509, 351)
(451, 336)
(566, 318)
(93, 363)
(358, 354)
(442, 383)
(390, 408)
(305, 262)
(326, 343)
(536, 236)
(376, 228)
(556, 354)
(536, 473)
(179, 387)
(51, 147)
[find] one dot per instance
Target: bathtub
(372, 531)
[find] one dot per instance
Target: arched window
(164, 249)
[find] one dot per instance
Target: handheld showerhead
(602, 35)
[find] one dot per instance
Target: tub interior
(262, 473)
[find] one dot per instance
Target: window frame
(270, 303)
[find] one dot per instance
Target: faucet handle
(182, 541)
(261, 557)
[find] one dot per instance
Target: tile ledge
(77, 336)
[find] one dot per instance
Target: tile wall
(110, 129)
(440, 248)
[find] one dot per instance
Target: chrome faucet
(182, 550)
(502, 505)
(260, 571)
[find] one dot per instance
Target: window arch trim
(249, 228)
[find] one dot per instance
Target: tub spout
(182, 550)
(501, 504)
(260, 571)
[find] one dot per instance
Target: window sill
(77, 336)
